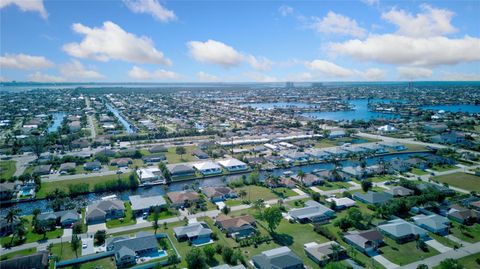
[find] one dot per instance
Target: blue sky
(170, 41)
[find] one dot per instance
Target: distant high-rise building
(289, 85)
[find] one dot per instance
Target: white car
(84, 245)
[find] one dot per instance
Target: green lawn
(382, 178)
(461, 180)
(258, 192)
(469, 234)
(414, 147)
(173, 157)
(418, 172)
(233, 202)
(443, 240)
(333, 186)
(64, 251)
(105, 263)
(129, 218)
(7, 169)
(19, 253)
(468, 262)
(284, 192)
(165, 214)
(48, 187)
(444, 167)
(402, 254)
(31, 236)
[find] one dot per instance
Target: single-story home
(341, 203)
(92, 166)
(277, 258)
(157, 149)
(236, 227)
(198, 233)
(402, 231)
(308, 179)
(183, 198)
(233, 165)
(200, 154)
(37, 260)
(311, 212)
(127, 249)
(207, 168)
(64, 218)
(321, 254)
(372, 197)
(42, 169)
(399, 191)
(143, 204)
(103, 210)
(67, 167)
(121, 162)
(154, 158)
(152, 175)
(180, 170)
(365, 241)
(433, 223)
(463, 215)
(217, 194)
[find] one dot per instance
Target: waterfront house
(208, 168)
(180, 170)
(336, 152)
(104, 210)
(374, 148)
(311, 212)
(183, 198)
(144, 204)
(277, 258)
(318, 154)
(433, 223)
(402, 231)
(8, 189)
(394, 145)
(64, 218)
(217, 194)
(308, 180)
(372, 198)
(322, 253)
(365, 241)
(233, 165)
(236, 227)
(296, 156)
(152, 175)
(197, 232)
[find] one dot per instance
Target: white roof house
(208, 168)
(233, 164)
(144, 203)
(152, 174)
(386, 128)
(341, 202)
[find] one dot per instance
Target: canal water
(83, 200)
(57, 122)
(473, 109)
(122, 120)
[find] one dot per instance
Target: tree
(196, 259)
(180, 151)
(38, 146)
(450, 264)
(227, 255)
(272, 216)
(344, 224)
(75, 244)
(35, 214)
(301, 175)
(100, 236)
(19, 230)
(259, 205)
(226, 210)
(336, 249)
(422, 266)
(242, 193)
(156, 216)
(209, 253)
(366, 185)
(12, 215)
(77, 227)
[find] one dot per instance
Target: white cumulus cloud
(374, 74)
(430, 22)
(42, 77)
(214, 52)
(27, 5)
(111, 42)
(260, 63)
(160, 74)
(334, 23)
(206, 77)
(152, 7)
(404, 50)
(24, 61)
(407, 72)
(329, 69)
(74, 70)
(285, 10)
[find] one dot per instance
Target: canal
(122, 120)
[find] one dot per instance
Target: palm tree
(336, 249)
(75, 244)
(35, 213)
(12, 215)
(301, 175)
(242, 193)
(19, 231)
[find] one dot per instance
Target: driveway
(298, 191)
(436, 245)
(67, 233)
(386, 263)
(89, 248)
(96, 227)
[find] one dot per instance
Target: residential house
(42, 169)
(336, 133)
(341, 203)
(318, 154)
(152, 175)
(296, 156)
(208, 168)
(64, 218)
(321, 254)
(308, 179)
(336, 152)
(331, 175)
(37, 260)
(394, 145)
(200, 154)
(452, 137)
(463, 215)
(365, 241)
(92, 166)
(433, 223)
(217, 194)
(104, 210)
(435, 127)
(417, 163)
(127, 249)
(311, 212)
(74, 126)
(399, 191)
(282, 181)
(143, 204)
(197, 232)
(180, 170)
(228, 266)
(183, 198)
(121, 162)
(158, 149)
(154, 158)
(277, 258)
(372, 198)
(402, 231)
(7, 190)
(399, 165)
(374, 148)
(233, 165)
(237, 227)
(67, 167)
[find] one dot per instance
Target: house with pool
(198, 233)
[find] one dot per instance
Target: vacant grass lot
(334, 186)
(7, 169)
(257, 192)
(461, 180)
(105, 263)
(173, 157)
(402, 254)
(444, 167)
(469, 234)
(48, 187)
(64, 251)
(418, 172)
